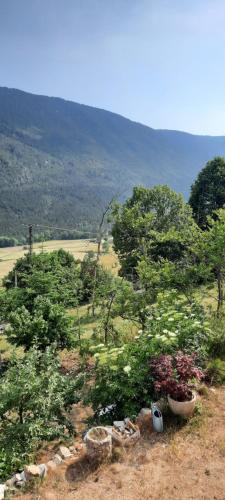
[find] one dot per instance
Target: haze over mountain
(61, 161)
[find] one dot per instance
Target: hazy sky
(155, 61)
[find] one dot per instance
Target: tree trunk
(95, 274)
(21, 414)
(220, 292)
(100, 236)
(106, 325)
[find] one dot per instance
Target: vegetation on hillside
(34, 401)
(208, 191)
(139, 335)
(60, 162)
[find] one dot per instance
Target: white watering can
(157, 419)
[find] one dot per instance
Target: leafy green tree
(154, 223)
(113, 297)
(211, 249)
(34, 399)
(6, 241)
(183, 275)
(93, 276)
(47, 324)
(55, 275)
(208, 191)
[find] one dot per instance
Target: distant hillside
(61, 161)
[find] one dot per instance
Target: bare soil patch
(186, 462)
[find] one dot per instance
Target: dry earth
(184, 463)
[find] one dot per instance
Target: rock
(144, 420)
(2, 491)
(20, 479)
(32, 471)
(57, 459)
(43, 470)
(120, 425)
(72, 449)
(145, 412)
(64, 452)
(11, 482)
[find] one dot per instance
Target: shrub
(215, 371)
(122, 374)
(33, 404)
(7, 241)
(179, 324)
(55, 275)
(217, 338)
(47, 324)
(172, 374)
(121, 382)
(122, 377)
(93, 276)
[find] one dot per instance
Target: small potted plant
(173, 376)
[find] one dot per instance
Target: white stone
(64, 452)
(2, 491)
(18, 479)
(43, 470)
(32, 471)
(145, 412)
(119, 424)
(57, 459)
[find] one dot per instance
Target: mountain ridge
(97, 108)
(60, 160)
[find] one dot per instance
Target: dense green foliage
(208, 191)
(149, 333)
(154, 224)
(34, 398)
(6, 241)
(216, 371)
(123, 377)
(211, 249)
(46, 284)
(89, 272)
(58, 159)
(55, 275)
(47, 324)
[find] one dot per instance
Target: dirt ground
(186, 462)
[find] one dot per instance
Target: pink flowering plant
(174, 375)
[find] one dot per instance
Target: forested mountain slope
(61, 161)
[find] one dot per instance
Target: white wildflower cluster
(127, 369)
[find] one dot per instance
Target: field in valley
(78, 248)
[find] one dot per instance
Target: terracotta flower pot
(183, 408)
